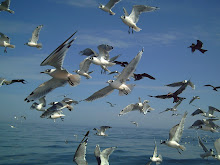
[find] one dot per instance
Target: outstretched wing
(6, 3)
(199, 43)
(202, 145)
(217, 145)
(85, 64)
(138, 9)
(88, 52)
(56, 58)
(107, 152)
(80, 154)
(111, 3)
(4, 38)
(35, 34)
(127, 109)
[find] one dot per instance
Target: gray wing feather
(127, 109)
(85, 64)
(80, 154)
(125, 12)
(1, 81)
(111, 3)
(202, 145)
(107, 152)
(6, 3)
(101, 93)
(217, 145)
(4, 38)
(88, 52)
(35, 34)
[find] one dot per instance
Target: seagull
(142, 107)
(3, 81)
(102, 157)
(109, 6)
(214, 88)
(135, 123)
(174, 108)
(35, 36)
(141, 76)
(60, 76)
(207, 152)
(206, 122)
(207, 128)
(11, 126)
(84, 68)
(121, 63)
(119, 83)
(111, 104)
(194, 97)
(80, 154)
(157, 159)
(57, 107)
(5, 42)
(102, 58)
(56, 115)
(39, 106)
(206, 114)
(197, 46)
(132, 19)
(4, 6)
(176, 98)
(101, 131)
(217, 148)
(175, 135)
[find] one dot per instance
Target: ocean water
(55, 144)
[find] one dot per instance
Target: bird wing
(88, 52)
(177, 104)
(161, 96)
(181, 89)
(97, 153)
(104, 128)
(6, 3)
(107, 152)
(155, 150)
(80, 154)
(197, 123)
(148, 76)
(176, 84)
(130, 68)
(202, 145)
(138, 9)
(199, 43)
(212, 109)
(127, 109)
(101, 93)
(35, 34)
(125, 12)
(42, 100)
(196, 112)
(45, 88)
(217, 145)
(56, 58)
(53, 109)
(192, 100)
(111, 3)
(104, 51)
(190, 83)
(208, 85)
(172, 131)
(1, 81)
(4, 38)
(179, 130)
(85, 64)
(114, 58)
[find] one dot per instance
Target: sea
(55, 143)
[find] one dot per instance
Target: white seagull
(181, 83)
(135, 123)
(217, 147)
(194, 97)
(57, 107)
(5, 42)
(34, 39)
(56, 115)
(174, 108)
(109, 6)
(207, 152)
(84, 68)
(175, 135)
(101, 131)
(142, 107)
(4, 6)
(102, 157)
(132, 19)
(206, 114)
(120, 82)
(60, 76)
(39, 106)
(157, 159)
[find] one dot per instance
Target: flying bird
(135, 123)
(207, 152)
(84, 68)
(111, 104)
(156, 158)
(109, 6)
(175, 135)
(3, 81)
(141, 76)
(132, 19)
(101, 131)
(206, 114)
(174, 108)
(60, 76)
(197, 46)
(217, 148)
(35, 37)
(214, 88)
(56, 115)
(39, 106)
(142, 107)
(182, 83)
(102, 157)
(4, 6)
(5, 42)
(119, 83)
(194, 98)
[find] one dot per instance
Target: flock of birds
(60, 77)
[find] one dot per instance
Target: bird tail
(74, 80)
(39, 45)
(202, 50)
(11, 46)
(182, 147)
(137, 29)
(11, 11)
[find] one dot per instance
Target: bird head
(162, 142)
(110, 81)
(48, 71)
(101, 6)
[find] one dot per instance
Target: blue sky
(166, 33)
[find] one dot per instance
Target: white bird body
(5, 42)
(4, 6)
(107, 8)
(39, 106)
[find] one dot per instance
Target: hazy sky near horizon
(166, 33)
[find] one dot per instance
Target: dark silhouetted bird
(214, 88)
(197, 46)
